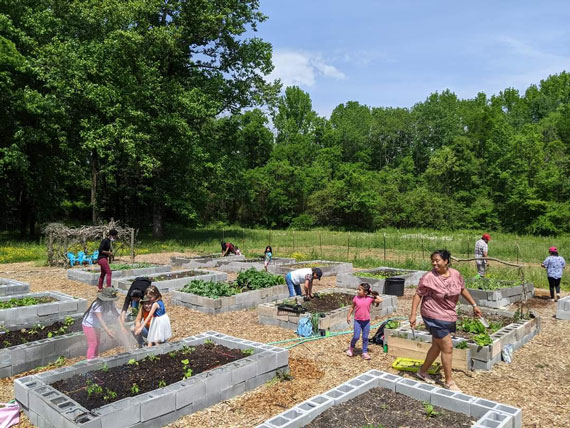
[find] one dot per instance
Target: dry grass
(537, 380)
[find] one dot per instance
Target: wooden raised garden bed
(496, 293)
(249, 290)
(479, 349)
(149, 387)
(394, 401)
(38, 307)
(376, 277)
(332, 304)
(258, 264)
(329, 268)
(174, 280)
(207, 261)
(9, 287)
(119, 271)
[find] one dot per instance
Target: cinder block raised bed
(335, 320)
(208, 261)
(329, 268)
(47, 407)
(257, 264)
(9, 287)
(490, 414)
(62, 306)
(91, 276)
(20, 358)
(478, 357)
(167, 285)
(499, 298)
(563, 309)
(245, 300)
(354, 279)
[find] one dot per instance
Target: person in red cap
(481, 249)
(554, 265)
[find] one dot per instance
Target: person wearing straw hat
(101, 314)
(554, 265)
(481, 250)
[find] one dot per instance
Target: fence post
(321, 244)
(384, 233)
(348, 246)
(132, 246)
(423, 254)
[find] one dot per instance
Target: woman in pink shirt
(439, 291)
(361, 307)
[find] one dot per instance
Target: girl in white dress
(160, 330)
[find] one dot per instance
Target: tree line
(154, 111)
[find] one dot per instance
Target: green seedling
(161, 383)
(93, 388)
(105, 368)
(133, 362)
(430, 411)
(109, 395)
(172, 354)
(187, 370)
(152, 357)
(483, 339)
(208, 342)
(135, 389)
(249, 351)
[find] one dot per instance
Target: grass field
(388, 247)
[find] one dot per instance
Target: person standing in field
(554, 265)
(481, 250)
(105, 253)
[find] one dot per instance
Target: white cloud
(302, 68)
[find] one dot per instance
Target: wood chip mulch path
(538, 379)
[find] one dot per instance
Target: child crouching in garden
(160, 330)
(361, 308)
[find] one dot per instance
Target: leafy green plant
(483, 339)
(474, 326)
(25, 301)
(124, 266)
(93, 388)
(255, 280)
(211, 289)
(135, 389)
(161, 383)
(185, 367)
(429, 409)
(109, 395)
(462, 345)
(105, 368)
(133, 362)
(152, 357)
(249, 351)
(392, 324)
(208, 342)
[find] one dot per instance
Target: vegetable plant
(430, 411)
(254, 280)
(210, 289)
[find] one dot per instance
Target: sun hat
(486, 236)
(553, 250)
(108, 294)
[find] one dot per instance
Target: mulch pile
(538, 379)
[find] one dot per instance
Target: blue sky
(395, 53)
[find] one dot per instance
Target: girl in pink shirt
(361, 308)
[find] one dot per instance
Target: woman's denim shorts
(439, 329)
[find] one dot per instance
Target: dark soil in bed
(101, 387)
(328, 302)
(176, 276)
(381, 407)
(31, 334)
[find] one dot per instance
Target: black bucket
(394, 286)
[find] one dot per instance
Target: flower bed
(258, 264)
(11, 286)
(333, 318)
(91, 275)
(479, 349)
(174, 280)
(250, 289)
(322, 411)
(494, 293)
(207, 261)
(57, 305)
(377, 277)
(329, 268)
(172, 392)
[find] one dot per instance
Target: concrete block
(417, 390)
(450, 400)
(514, 412)
(493, 419)
(389, 381)
(157, 403)
(126, 412)
(192, 389)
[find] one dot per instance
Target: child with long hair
(101, 314)
(160, 330)
(268, 255)
(361, 308)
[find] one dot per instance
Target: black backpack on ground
(378, 338)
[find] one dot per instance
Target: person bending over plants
(135, 294)
(228, 247)
(361, 308)
(438, 291)
(160, 330)
(101, 314)
(306, 276)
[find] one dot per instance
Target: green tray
(411, 365)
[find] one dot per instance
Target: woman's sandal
(425, 377)
(452, 386)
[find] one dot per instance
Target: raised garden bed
(333, 305)
(377, 277)
(207, 261)
(329, 268)
(472, 351)
(56, 306)
(9, 287)
(344, 406)
(563, 309)
(249, 290)
(174, 280)
(493, 293)
(173, 392)
(91, 275)
(258, 264)
(42, 348)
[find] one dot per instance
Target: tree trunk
(157, 230)
(94, 174)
